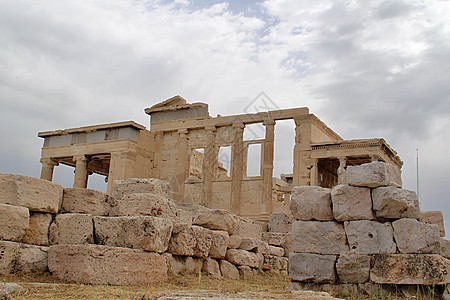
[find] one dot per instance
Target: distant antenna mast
(417, 174)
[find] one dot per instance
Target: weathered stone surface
(96, 264)
(280, 222)
(32, 259)
(393, 203)
(234, 242)
(204, 241)
(143, 232)
(72, 229)
(351, 203)
(311, 203)
(9, 289)
(413, 236)
(8, 255)
(15, 222)
(248, 228)
(35, 194)
(434, 217)
(245, 272)
(249, 244)
(322, 291)
(183, 240)
(211, 267)
(184, 216)
(183, 264)
(228, 270)
(144, 204)
(318, 237)
(193, 265)
(353, 267)
(445, 248)
(86, 201)
(219, 244)
(427, 269)
(275, 238)
(245, 258)
(312, 267)
(37, 232)
(277, 251)
(217, 219)
(370, 236)
(120, 188)
(373, 175)
(273, 262)
(175, 264)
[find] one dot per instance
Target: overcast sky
(366, 68)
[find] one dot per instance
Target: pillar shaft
(342, 175)
(182, 166)
(237, 165)
(209, 166)
(302, 151)
(47, 168)
(267, 170)
(81, 173)
(315, 172)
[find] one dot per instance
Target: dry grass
(47, 287)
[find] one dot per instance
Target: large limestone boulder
(32, 259)
(276, 251)
(35, 194)
(353, 267)
(144, 232)
(311, 203)
(72, 229)
(217, 219)
(8, 255)
(234, 242)
(211, 267)
(203, 237)
(37, 232)
(280, 222)
(14, 222)
(393, 203)
(145, 204)
(423, 269)
(219, 244)
(276, 238)
(312, 267)
(318, 237)
(370, 236)
(351, 203)
(248, 228)
(434, 217)
(86, 201)
(120, 188)
(373, 175)
(183, 265)
(245, 258)
(272, 262)
(413, 236)
(228, 270)
(183, 240)
(445, 248)
(96, 264)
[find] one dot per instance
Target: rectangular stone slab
(96, 264)
(35, 194)
(426, 269)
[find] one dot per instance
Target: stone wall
(369, 231)
(138, 236)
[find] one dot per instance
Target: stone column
(302, 150)
(237, 165)
(209, 166)
(267, 171)
(182, 166)
(81, 174)
(48, 165)
(342, 175)
(315, 172)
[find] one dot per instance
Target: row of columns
(81, 170)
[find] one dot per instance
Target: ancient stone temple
(183, 146)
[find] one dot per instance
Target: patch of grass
(45, 286)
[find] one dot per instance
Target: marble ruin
(182, 147)
(341, 222)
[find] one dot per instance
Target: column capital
(80, 157)
(269, 122)
(183, 131)
(238, 125)
(300, 119)
(210, 128)
(49, 161)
